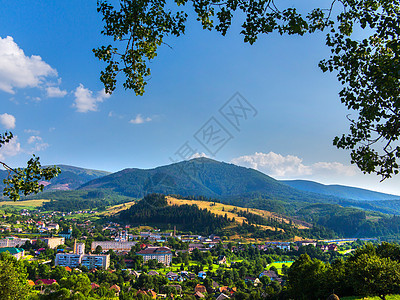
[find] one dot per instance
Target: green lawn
(278, 266)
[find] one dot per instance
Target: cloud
(20, 71)
(10, 149)
(8, 121)
(334, 167)
(39, 145)
(198, 155)
(85, 101)
(290, 166)
(33, 131)
(139, 119)
(55, 92)
(34, 138)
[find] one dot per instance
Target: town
(125, 260)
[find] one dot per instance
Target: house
(200, 288)
(45, 281)
(116, 289)
(135, 273)
(271, 274)
(198, 295)
(152, 273)
(172, 276)
(31, 283)
(177, 287)
(221, 260)
(306, 243)
(227, 290)
(18, 253)
(333, 247)
(215, 284)
(94, 286)
(152, 294)
(222, 296)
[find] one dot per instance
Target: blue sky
(52, 100)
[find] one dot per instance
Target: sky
(266, 106)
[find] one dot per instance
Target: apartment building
(113, 245)
(161, 254)
(74, 260)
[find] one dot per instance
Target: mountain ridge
(342, 191)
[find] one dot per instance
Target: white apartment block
(91, 261)
(13, 242)
(113, 245)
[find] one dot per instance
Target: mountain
(202, 177)
(70, 178)
(340, 191)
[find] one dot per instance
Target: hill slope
(202, 177)
(341, 191)
(70, 178)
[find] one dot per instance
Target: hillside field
(23, 204)
(230, 210)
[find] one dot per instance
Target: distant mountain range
(340, 191)
(201, 177)
(339, 208)
(70, 178)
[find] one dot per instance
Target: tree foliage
(26, 180)
(13, 279)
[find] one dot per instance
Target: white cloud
(85, 101)
(33, 131)
(55, 92)
(290, 166)
(334, 167)
(34, 138)
(10, 149)
(139, 119)
(18, 70)
(8, 121)
(38, 144)
(198, 155)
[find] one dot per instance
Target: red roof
(155, 250)
(94, 285)
(45, 281)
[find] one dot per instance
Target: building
(90, 261)
(13, 242)
(71, 260)
(161, 254)
(16, 252)
(54, 242)
(200, 288)
(53, 226)
(113, 245)
(79, 248)
(67, 234)
(95, 261)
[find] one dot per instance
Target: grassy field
(230, 210)
(278, 266)
(112, 210)
(27, 204)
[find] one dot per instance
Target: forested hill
(341, 191)
(154, 210)
(202, 177)
(70, 178)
